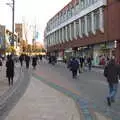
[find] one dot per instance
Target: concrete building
(85, 27)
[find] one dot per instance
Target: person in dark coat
(89, 61)
(21, 58)
(74, 67)
(27, 60)
(10, 70)
(34, 62)
(40, 56)
(112, 72)
(81, 59)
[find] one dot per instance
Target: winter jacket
(112, 72)
(10, 68)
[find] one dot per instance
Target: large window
(89, 23)
(82, 25)
(96, 19)
(77, 28)
(68, 32)
(72, 30)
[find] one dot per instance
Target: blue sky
(32, 12)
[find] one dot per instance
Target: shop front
(103, 52)
(68, 53)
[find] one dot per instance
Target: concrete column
(75, 35)
(93, 24)
(86, 31)
(118, 52)
(80, 33)
(101, 19)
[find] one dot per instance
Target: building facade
(2, 39)
(87, 28)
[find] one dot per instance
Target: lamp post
(12, 5)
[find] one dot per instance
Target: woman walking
(10, 70)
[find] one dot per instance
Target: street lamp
(12, 5)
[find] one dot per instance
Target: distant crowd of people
(12, 59)
(77, 64)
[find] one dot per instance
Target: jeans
(112, 90)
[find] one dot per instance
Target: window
(82, 4)
(68, 32)
(72, 30)
(89, 23)
(82, 25)
(61, 34)
(96, 19)
(77, 27)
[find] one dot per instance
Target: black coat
(74, 65)
(112, 72)
(34, 61)
(10, 68)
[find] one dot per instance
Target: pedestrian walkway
(41, 102)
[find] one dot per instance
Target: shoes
(108, 101)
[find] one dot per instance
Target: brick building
(87, 28)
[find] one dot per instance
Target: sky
(31, 12)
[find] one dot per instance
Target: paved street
(52, 95)
(91, 86)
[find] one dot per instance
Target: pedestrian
(81, 59)
(34, 62)
(27, 60)
(112, 73)
(74, 67)
(21, 58)
(10, 69)
(89, 61)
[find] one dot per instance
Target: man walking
(74, 67)
(112, 73)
